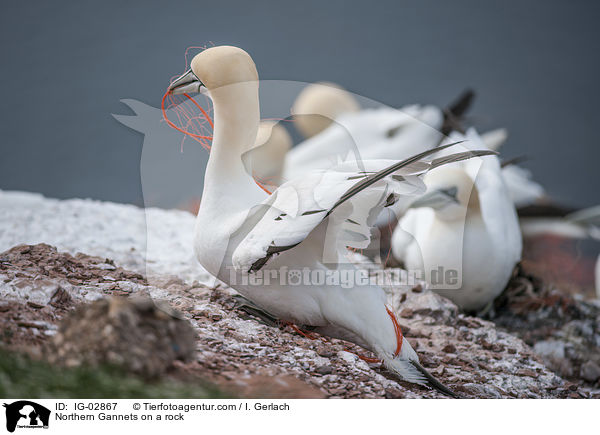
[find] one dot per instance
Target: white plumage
(343, 131)
(468, 224)
(304, 224)
(383, 133)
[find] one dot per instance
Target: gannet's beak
(436, 199)
(188, 83)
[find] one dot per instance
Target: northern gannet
(318, 104)
(251, 240)
(523, 190)
(385, 133)
(463, 234)
(336, 129)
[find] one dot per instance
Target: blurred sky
(65, 66)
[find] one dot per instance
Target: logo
(26, 414)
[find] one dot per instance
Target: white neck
(236, 118)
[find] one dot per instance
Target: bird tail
(410, 370)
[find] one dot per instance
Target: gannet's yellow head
(450, 193)
(214, 68)
(317, 106)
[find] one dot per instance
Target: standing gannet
(463, 234)
(252, 240)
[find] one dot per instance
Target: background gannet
(466, 222)
(523, 190)
(318, 104)
(336, 130)
(305, 223)
(374, 137)
(264, 160)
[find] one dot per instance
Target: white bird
(319, 104)
(338, 130)
(330, 117)
(463, 234)
(242, 233)
(523, 190)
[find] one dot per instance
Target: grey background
(65, 66)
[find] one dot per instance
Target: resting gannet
(242, 232)
(337, 130)
(318, 104)
(463, 235)
(338, 126)
(523, 190)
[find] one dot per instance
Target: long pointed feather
(433, 382)
(513, 161)
(373, 178)
(456, 110)
(452, 158)
(369, 181)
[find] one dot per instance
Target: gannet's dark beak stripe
(188, 83)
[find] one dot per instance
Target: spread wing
(352, 195)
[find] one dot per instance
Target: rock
(325, 352)
(590, 371)
(550, 349)
(60, 298)
(240, 354)
(130, 333)
(449, 348)
(429, 304)
(482, 390)
(324, 370)
(487, 361)
(527, 372)
(392, 393)
(561, 327)
(267, 387)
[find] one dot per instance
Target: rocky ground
(47, 293)
(562, 327)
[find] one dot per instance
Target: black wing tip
(434, 383)
(271, 251)
(545, 210)
(371, 179)
(457, 157)
(462, 103)
(455, 111)
(514, 161)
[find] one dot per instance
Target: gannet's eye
(395, 130)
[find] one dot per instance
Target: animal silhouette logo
(26, 414)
